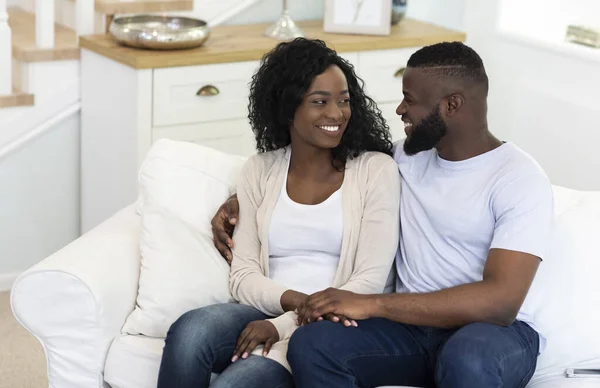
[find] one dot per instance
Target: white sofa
(77, 300)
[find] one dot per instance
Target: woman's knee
(255, 372)
(191, 329)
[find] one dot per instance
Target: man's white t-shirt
(453, 213)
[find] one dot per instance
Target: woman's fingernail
(245, 355)
(234, 359)
(336, 319)
(232, 220)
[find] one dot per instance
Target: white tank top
(305, 242)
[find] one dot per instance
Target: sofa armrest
(76, 300)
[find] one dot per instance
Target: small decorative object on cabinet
(285, 28)
(584, 35)
(367, 17)
(398, 11)
(131, 98)
(159, 32)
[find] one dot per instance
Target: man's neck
(465, 146)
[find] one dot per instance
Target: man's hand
(345, 304)
(223, 224)
(256, 333)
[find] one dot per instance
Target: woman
(318, 208)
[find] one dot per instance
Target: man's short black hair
(451, 59)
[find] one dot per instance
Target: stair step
(22, 24)
(18, 98)
(114, 7)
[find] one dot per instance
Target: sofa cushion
(181, 187)
(567, 284)
(133, 362)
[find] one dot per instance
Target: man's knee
(309, 343)
(301, 343)
(466, 357)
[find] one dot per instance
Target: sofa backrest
(567, 286)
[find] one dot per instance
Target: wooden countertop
(247, 43)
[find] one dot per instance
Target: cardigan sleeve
(285, 324)
(379, 232)
(247, 281)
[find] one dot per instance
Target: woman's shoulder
(262, 163)
(373, 162)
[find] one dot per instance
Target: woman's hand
(223, 224)
(337, 318)
(256, 333)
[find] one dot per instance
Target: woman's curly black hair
(278, 88)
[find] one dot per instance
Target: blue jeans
(202, 342)
(380, 352)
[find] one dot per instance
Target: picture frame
(362, 17)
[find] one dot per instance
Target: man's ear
(453, 104)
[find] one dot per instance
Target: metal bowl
(159, 32)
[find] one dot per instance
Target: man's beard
(427, 134)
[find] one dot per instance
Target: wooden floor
(22, 24)
(16, 99)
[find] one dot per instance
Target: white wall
(542, 98)
(39, 197)
(448, 13)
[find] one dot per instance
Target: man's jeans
(380, 352)
(202, 341)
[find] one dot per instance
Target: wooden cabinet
(131, 98)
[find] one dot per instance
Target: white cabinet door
(352, 58)
(231, 136)
(382, 72)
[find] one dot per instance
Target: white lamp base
(284, 28)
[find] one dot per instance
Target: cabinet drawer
(382, 72)
(231, 136)
(198, 94)
(351, 57)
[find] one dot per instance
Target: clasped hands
(331, 304)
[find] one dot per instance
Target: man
(476, 214)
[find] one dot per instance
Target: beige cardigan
(371, 205)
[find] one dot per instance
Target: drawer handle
(208, 90)
(400, 72)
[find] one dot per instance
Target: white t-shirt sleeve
(524, 211)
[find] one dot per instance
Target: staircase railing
(84, 12)
(44, 23)
(5, 52)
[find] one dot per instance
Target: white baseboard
(7, 280)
